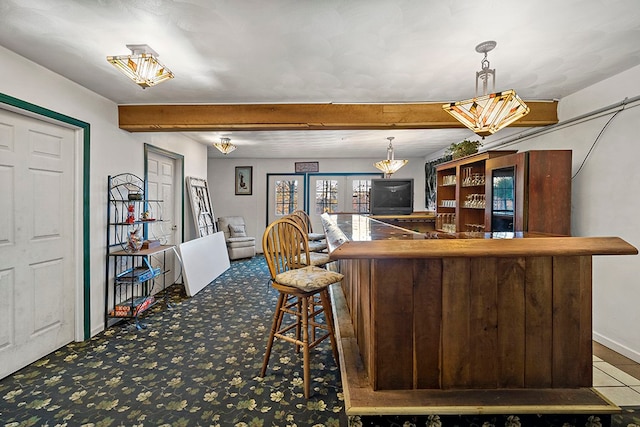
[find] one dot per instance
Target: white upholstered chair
(239, 244)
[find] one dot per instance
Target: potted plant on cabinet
(463, 148)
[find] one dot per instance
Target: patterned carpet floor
(194, 365)
(197, 364)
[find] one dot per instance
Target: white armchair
(239, 245)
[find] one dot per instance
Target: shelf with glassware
(460, 196)
(137, 267)
(446, 199)
(472, 196)
(506, 191)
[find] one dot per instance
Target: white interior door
(162, 185)
(37, 280)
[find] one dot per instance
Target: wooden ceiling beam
(256, 117)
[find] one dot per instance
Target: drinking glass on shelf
(475, 228)
(467, 176)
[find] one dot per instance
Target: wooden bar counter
(467, 322)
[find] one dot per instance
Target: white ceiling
(316, 51)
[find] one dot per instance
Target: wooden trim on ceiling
(257, 117)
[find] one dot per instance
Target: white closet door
(37, 281)
(161, 185)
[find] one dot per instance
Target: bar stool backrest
(285, 246)
(303, 220)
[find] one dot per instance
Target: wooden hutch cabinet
(506, 191)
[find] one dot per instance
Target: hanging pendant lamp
(487, 114)
(390, 165)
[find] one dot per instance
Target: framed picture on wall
(306, 167)
(244, 180)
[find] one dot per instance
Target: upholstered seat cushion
(241, 242)
(317, 258)
(317, 245)
(316, 236)
(308, 278)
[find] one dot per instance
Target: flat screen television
(391, 196)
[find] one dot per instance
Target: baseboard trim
(617, 347)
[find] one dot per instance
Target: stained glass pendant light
(225, 146)
(487, 114)
(390, 165)
(142, 66)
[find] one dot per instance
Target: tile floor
(616, 376)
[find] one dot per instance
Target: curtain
(431, 183)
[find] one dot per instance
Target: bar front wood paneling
(572, 321)
(455, 322)
(511, 308)
(392, 324)
(538, 300)
(468, 311)
(427, 311)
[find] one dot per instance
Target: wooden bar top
(353, 236)
(428, 215)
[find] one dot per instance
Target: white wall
(113, 150)
(605, 200)
(221, 178)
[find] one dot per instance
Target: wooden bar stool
(317, 244)
(296, 316)
(317, 241)
(317, 256)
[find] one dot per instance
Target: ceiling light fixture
(390, 165)
(225, 146)
(142, 66)
(487, 114)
